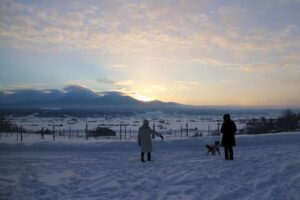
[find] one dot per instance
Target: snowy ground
(265, 167)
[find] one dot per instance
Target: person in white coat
(145, 139)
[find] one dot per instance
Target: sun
(142, 97)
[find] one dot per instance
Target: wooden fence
(123, 133)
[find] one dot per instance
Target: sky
(197, 52)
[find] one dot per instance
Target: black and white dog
(213, 148)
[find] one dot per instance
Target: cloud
(117, 93)
(71, 88)
(188, 82)
(135, 94)
(112, 82)
(231, 10)
(17, 95)
(118, 66)
(103, 27)
(290, 61)
(105, 81)
(124, 91)
(229, 81)
(125, 82)
(186, 85)
(21, 86)
(254, 68)
(233, 15)
(209, 61)
(84, 29)
(157, 40)
(159, 88)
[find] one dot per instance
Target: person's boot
(226, 154)
(231, 154)
(142, 157)
(149, 156)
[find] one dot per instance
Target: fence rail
(22, 134)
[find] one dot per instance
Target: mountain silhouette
(72, 96)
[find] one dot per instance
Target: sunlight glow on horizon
(142, 98)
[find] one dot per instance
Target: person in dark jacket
(228, 140)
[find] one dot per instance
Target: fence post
(125, 131)
(21, 134)
(86, 131)
(42, 133)
(120, 131)
(181, 131)
(53, 129)
(187, 130)
(209, 130)
(153, 135)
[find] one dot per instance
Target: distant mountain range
(73, 97)
(75, 100)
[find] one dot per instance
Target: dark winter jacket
(228, 129)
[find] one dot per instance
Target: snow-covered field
(265, 167)
(163, 122)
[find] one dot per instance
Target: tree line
(7, 126)
(287, 121)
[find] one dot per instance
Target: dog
(212, 149)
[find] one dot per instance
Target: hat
(145, 122)
(226, 117)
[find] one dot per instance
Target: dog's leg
(209, 152)
(219, 152)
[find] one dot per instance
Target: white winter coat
(144, 138)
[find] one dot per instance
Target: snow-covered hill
(265, 167)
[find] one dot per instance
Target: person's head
(145, 122)
(226, 118)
